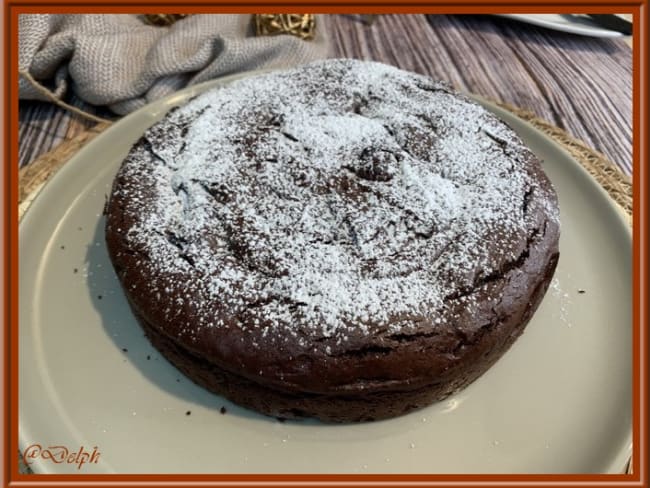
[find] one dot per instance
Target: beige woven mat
(31, 178)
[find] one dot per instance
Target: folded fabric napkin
(122, 62)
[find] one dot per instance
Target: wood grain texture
(580, 84)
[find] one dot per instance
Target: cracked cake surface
(340, 232)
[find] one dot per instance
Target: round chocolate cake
(344, 240)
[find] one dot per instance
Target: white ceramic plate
(572, 24)
(558, 402)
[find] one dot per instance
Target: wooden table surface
(580, 84)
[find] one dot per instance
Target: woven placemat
(618, 185)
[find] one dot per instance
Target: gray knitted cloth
(123, 63)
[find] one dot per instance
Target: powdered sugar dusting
(340, 196)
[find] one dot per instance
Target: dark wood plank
(580, 84)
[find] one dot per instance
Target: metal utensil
(612, 22)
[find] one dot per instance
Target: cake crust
(344, 240)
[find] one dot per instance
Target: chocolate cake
(343, 240)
